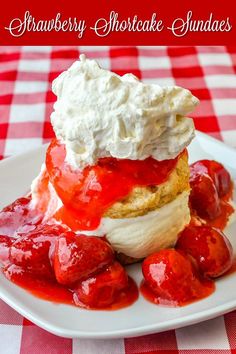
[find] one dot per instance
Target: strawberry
(33, 250)
(102, 289)
(209, 247)
(204, 197)
(170, 274)
(78, 256)
(5, 243)
(216, 171)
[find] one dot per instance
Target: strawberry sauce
(50, 290)
(206, 288)
(87, 194)
(226, 209)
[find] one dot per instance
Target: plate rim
(180, 322)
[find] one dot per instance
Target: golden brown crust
(144, 199)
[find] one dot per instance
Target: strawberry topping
(87, 194)
(171, 279)
(211, 190)
(218, 173)
(209, 247)
(102, 289)
(78, 257)
(33, 251)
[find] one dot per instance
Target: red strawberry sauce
(87, 194)
(50, 290)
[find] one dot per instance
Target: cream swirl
(101, 114)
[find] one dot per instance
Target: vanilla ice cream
(101, 114)
(143, 235)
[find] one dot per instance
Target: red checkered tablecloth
(26, 102)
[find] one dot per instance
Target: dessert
(124, 143)
(116, 188)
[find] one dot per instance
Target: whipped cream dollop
(101, 114)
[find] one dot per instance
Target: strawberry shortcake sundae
(116, 188)
(118, 166)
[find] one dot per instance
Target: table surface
(26, 102)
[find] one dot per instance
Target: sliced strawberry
(209, 247)
(32, 251)
(173, 278)
(204, 197)
(102, 289)
(78, 257)
(5, 243)
(216, 171)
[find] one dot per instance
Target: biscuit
(145, 199)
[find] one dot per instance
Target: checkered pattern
(26, 102)
(26, 74)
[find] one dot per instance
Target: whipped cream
(101, 114)
(141, 236)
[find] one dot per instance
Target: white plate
(142, 317)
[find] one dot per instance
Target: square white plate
(142, 317)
